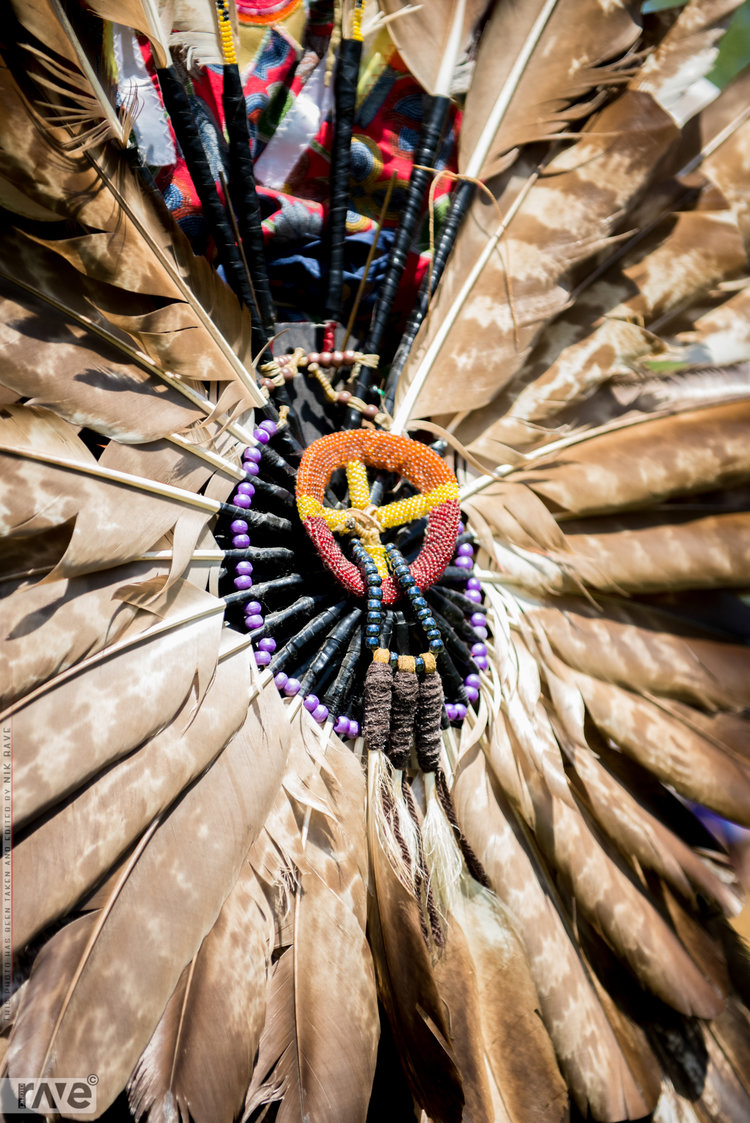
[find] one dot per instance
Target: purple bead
(463, 562)
(450, 710)
(244, 567)
(244, 581)
(472, 693)
(261, 436)
(461, 529)
(353, 728)
(474, 583)
(465, 550)
(342, 726)
(270, 427)
(478, 619)
(311, 702)
(460, 711)
(478, 649)
(253, 622)
(253, 454)
(291, 687)
(320, 713)
(253, 608)
(472, 680)
(241, 541)
(241, 500)
(267, 644)
(239, 526)
(262, 658)
(482, 633)
(251, 468)
(280, 680)
(482, 662)
(245, 489)
(474, 595)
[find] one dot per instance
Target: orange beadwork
(422, 467)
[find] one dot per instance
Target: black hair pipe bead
(345, 100)
(272, 495)
(257, 521)
(400, 633)
(177, 104)
(244, 194)
(387, 630)
(278, 586)
(335, 643)
(458, 599)
(455, 573)
(273, 555)
(453, 615)
(276, 464)
(313, 630)
(337, 696)
(460, 652)
(291, 617)
(452, 681)
(460, 202)
(467, 536)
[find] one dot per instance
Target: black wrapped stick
(460, 203)
(177, 105)
(345, 92)
(244, 195)
(436, 114)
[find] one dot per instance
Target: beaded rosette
(370, 567)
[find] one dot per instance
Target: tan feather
(167, 899)
(529, 256)
(68, 852)
(431, 38)
(197, 1064)
(602, 1077)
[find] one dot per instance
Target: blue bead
(394, 660)
(375, 593)
(372, 642)
(433, 633)
(419, 602)
(375, 606)
(408, 582)
(435, 645)
(372, 630)
(419, 664)
(374, 580)
(374, 617)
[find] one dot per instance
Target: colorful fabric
(386, 133)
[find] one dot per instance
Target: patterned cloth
(386, 132)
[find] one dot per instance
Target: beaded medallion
(350, 553)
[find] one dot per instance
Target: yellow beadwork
(377, 553)
(359, 485)
(225, 33)
(359, 9)
(416, 506)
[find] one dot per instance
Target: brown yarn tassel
(378, 700)
(403, 713)
(473, 865)
(429, 711)
(421, 883)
